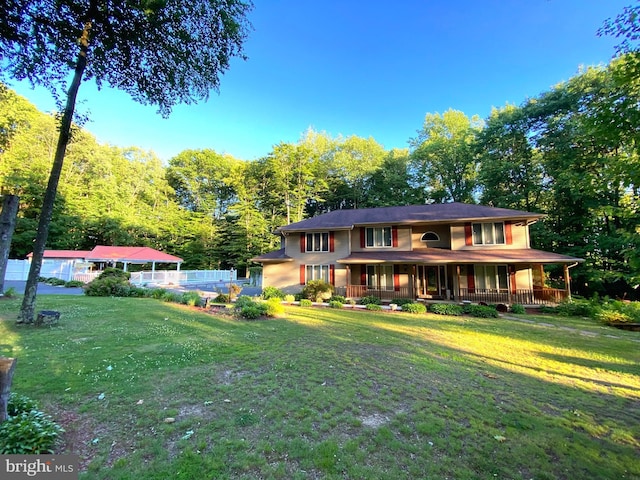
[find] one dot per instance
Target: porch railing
(537, 296)
(359, 291)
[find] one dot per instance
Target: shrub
(305, 302)
(402, 301)
(108, 287)
(274, 308)
(10, 292)
(548, 310)
(27, 430)
(446, 309)
(222, 298)
(374, 307)
(272, 292)
(234, 290)
(614, 312)
(370, 300)
(158, 293)
(317, 290)
(55, 281)
(114, 272)
(191, 298)
(249, 309)
(576, 307)
(172, 297)
(517, 308)
(74, 284)
(242, 301)
(481, 311)
(335, 304)
(289, 298)
(414, 308)
(338, 298)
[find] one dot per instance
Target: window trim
(436, 239)
(481, 280)
(383, 236)
(324, 242)
(482, 230)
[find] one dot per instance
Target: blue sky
(367, 68)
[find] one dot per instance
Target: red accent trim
(303, 242)
(468, 234)
(396, 278)
(394, 236)
(363, 274)
(303, 275)
(471, 279)
(332, 274)
(332, 242)
(362, 237)
(508, 235)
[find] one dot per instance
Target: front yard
(152, 390)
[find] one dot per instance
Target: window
(380, 277)
(378, 237)
(430, 237)
(317, 242)
(491, 277)
(488, 233)
(317, 272)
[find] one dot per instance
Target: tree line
(570, 152)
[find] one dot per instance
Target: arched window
(430, 237)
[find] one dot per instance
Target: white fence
(18, 270)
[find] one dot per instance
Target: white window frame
(317, 242)
(378, 237)
(491, 277)
(488, 233)
(316, 272)
(436, 239)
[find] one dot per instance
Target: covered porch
(507, 277)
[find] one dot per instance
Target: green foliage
(370, 300)
(518, 309)
(338, 298)
(10, 292)
(158, 293)
(446, 309)
(172, 297)
(402, 301)
(616, 311)
(414, 308)
(222, 298)
(115, 273)
(577, 307)
(272, 292)
(317, 290)
(374, 307)
(27, 430)
(55, 281)
(335, 304)
(74, 283)
(274, 308)
(480, 311)
(109, 286)
(289, 298)
(191, 298)
(247, 308)
(305, 302)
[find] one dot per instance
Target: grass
(327, 393)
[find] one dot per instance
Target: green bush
(274, 308)
(305, 302)
(10, 292)
(480, 311)
(517, 308)
(576, 307)
(115, 272)
(335, 304)
(158, 293)
(172, 297)
(272, 292)
(402, 301)
(110, 286)
(317, 290)
(613, 312)
(546, 309)
(370, 300)
(374, 307)
(55, 281)
(414, 308)
(222, 298)
(73, 284)
(338, 298)
(446, 309)
(27, 430)
(289, 298)
(249, 309)
(191, 298)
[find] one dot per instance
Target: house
(451, 251)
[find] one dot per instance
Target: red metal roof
(64, 254)
(130, 254)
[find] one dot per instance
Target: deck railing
(359, 291)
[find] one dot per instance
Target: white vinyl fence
(19, 269)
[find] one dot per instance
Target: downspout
(567, 279)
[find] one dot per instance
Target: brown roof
(276, 256)
(441, 256)
(409, 214)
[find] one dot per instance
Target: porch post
(458, 279)
(348, 284)
(567, 281)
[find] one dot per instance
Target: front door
(430, 280)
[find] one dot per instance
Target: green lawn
(327, 393)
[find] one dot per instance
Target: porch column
(567, 281)
(458, 279)
(413, 283)
(348, 284)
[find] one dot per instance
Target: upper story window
(488, 233)
(317, 242)
(378, 237)
(430, 237)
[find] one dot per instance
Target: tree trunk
(7, 226)
(7, 367)
(27, 310)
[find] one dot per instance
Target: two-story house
(450, 251)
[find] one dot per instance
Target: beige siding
(404, 240)
(443, 231)
(519, 235)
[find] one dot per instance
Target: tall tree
(160, 52)
(442, 161)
